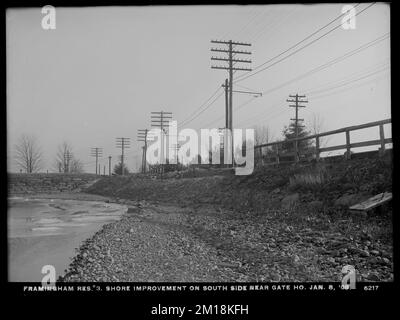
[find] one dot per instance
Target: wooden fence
(317, 150)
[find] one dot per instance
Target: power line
(266, 17)
(254, 16)
(348, 82)
(211, 103)
(261, 117)
(296, 44)
(352, 75)
(193, 116)
(301, 41)
(330, 63)
(296, 51)
(276, 24)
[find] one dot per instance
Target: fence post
(259, 157)
(317, 148)
(348, 155)
(382, 137)
(277, 153)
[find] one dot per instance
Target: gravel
(157, 243)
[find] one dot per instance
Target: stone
(331, 260)
(373, 277)
(364, 253)
(133, 210)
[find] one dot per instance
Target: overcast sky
(104, 69)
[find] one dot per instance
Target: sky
(101, 72)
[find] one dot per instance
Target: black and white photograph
(248, 145)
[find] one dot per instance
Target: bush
(309, 180)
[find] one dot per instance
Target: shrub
(309, 180)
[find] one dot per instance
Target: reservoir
(47, 231)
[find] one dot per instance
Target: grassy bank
(322, 187)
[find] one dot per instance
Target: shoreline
(81, 196)
(157, 242)
(29, 250)
(169, 243)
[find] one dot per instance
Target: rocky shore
(167, 243)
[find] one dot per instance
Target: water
(47, 231)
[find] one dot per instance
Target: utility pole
(142, 137)
(104, 170)
(97, 152)
(109, 166)
(296, 120)
(123, 143)
(226, 87)
(67, 158)
(160, 119)
(230, 59)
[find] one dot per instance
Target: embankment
(313, 186)
(279, 224)
(21, 183)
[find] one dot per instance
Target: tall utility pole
(160, 119)
(109, 165)
(123, 143)
(226, 87)
(296, 99)
(230, 60)
(97, 152)
(142, 137)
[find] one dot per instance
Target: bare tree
(262, 135)
(316, 123)
(28, 154)
(76, 166)
(65, 160)
(316, 126)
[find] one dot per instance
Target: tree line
(29, 157)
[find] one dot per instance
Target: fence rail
(382, 141)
